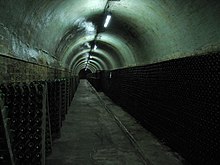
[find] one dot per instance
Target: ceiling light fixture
(87, 55)
(95, 47)
(107, 20)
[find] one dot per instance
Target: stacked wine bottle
(63, 99)
(48, 137)
(5, 155)
(54, 108)
(67, 97)
(25, 113)
(34, 112)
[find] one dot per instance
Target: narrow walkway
(91, 136)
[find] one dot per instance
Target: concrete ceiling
(60, 33)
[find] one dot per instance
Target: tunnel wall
(177, 100)
(16, 70)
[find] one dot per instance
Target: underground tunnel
(109, 82)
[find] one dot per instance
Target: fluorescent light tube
(108, 18)
(95, 47)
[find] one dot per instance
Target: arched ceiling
(60, 33)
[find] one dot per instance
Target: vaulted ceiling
(62, 32)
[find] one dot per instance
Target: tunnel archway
(158, 59)
(83, 73)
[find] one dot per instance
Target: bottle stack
(31, 120)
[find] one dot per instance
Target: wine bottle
(9, 99)
(4, 157)
(32, 87)
(27, 157)
(19, 156)
(21, 137)
(38, 122)
(25, 88)
(36, 158)
(13, 122)
(10, 88)
(19, 146)
(37, 137)
(30, 145)
(31, 136)
(13, 112)
(23, 111)
(37, 146)
(22, 129)
(39, 113)
(16, 103)
(31, 109)
(24, 102)
(38, 131)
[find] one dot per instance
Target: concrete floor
(97, 132)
